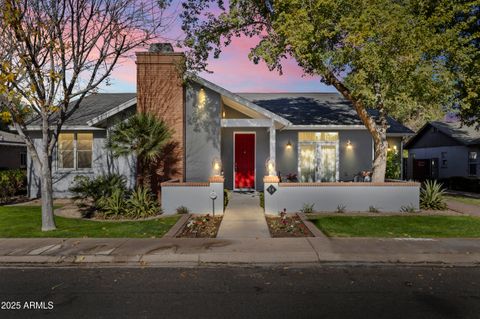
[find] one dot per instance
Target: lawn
(25, 221)
(465, 200)
(399, 226)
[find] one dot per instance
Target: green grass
(399, 226)
(25, 222)
(465, 200)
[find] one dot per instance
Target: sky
(232, 70)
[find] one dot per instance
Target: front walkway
(464, 208)
(243, 218)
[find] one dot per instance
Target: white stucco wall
(356, 198)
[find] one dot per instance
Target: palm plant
(142, 135)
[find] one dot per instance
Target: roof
(7, 138)
(316, 109)
(93, 106)
(466, 135)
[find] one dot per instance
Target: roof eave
(118, 109)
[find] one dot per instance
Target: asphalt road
(222, 292)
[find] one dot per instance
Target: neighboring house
(317, 136)
(13, 151)
(441, 150)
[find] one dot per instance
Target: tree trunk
(378, 131)
(48, 220)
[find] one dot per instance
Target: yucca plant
(431, 196)
(142, 204)
(114, 205)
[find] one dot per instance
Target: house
(244, 136)
(13, 151)
(442, 150)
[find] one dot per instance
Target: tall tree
(144, 136)
(383, 55)
(56, 52)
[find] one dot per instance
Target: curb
(172, 233)
(311, 227)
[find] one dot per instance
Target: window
(472, 163)
(23, 159)
(318, 156)
(75, 150)
(444, 159)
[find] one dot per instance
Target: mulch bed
(287, 226)
(201, 227)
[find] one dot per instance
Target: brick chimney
(160, 91)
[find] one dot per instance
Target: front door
(244, 165)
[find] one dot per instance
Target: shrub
(341, 209)
(114, 205)
(261, 195)
(373, 209)
(93, 189)
(408, 209)
(142, 204)
(12, 182)
(393, 169)
(226, 198)
(183, 210)
(307, 208)
(431, 196)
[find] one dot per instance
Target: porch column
(272, 146)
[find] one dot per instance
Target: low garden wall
(195, 196)
(329, 197)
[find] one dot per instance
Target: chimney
(160, 91)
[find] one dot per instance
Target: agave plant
(113, 206)
(142, 204)
(431, 196)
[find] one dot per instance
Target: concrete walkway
(464, 208)
(243, 218)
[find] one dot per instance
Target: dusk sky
(233, 70)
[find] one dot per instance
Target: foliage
(88, 191)
(393, 170)
(431, 196)
(142, 135)
(24, 222)
(399, 226)
(307, 208)
(142, 203)
(373, 209)
(261, 195)
(183, 210)
(341, 209)
(461, 183)
(114, 205)
(11, 182)
(408, 209)
(390, 56)
(226, 198)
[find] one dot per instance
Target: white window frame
(75, 151)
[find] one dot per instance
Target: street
(227, 292)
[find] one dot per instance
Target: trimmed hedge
(12, 182)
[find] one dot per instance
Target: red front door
(244, 160)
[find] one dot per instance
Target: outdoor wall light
(349, 145)
(270, 166)
(201, 99)
(289, 145)
(216, 167)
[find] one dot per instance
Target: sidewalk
(243, 218)
(463, 208)
(249, 251)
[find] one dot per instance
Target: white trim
(254, 158)
(238, 99)
(246, 123)
(68, 128)
(112, 112)
(12, 144)
(326, 127)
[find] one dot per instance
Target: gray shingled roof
(10, 138)
(466, 135)
(315, 109)
(93, 106)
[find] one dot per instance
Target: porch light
(201, 99)
(270, 166)
(216, 167)
(349, 145)
(289, 145)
